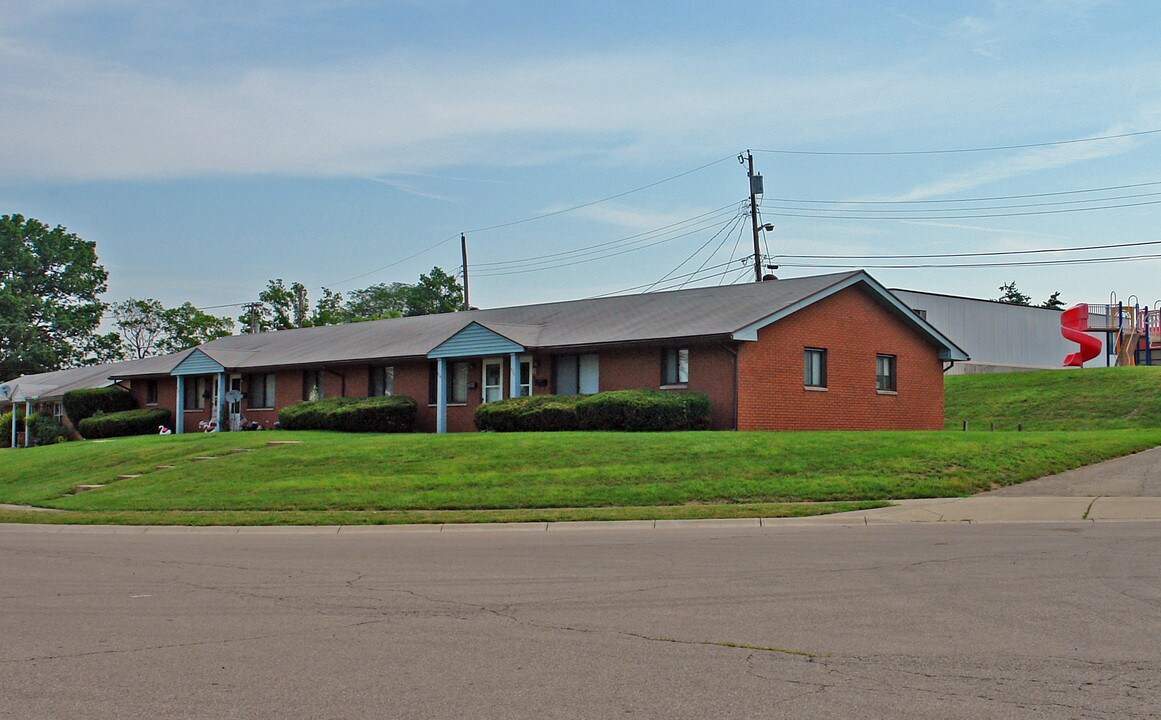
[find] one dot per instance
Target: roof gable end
(475, 340)
(197, 363)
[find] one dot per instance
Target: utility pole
(755, 190)
(464, 253)
(252, 309)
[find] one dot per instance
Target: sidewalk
(994, 509)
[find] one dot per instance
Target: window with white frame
(525, 376)
(885, 373)
(260, 391)
(814, 368)
(382, 381)
(675, 366)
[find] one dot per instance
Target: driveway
(1137, 475)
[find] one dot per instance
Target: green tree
(185, 326)
(281, 308)
(1054, 302)
(50, 285)
(436, 292)
(146, 328)
(378, 302)
(141, 324)
(329, 310)
(1011, 295)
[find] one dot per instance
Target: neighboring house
(1000, 337)
(43, 392)
(828, 352)
(834, 352)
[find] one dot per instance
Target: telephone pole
(755, 190)
(464, 253)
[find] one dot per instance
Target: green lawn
(341, 479)
(1088, 399)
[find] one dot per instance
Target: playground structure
(1132, 332)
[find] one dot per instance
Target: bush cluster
(539, 413)
(126, 422)
(644, 411)
(619, 410)
(6, 429)
(392, 414)
(42, 429)
(82, 404)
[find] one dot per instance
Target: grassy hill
(1071, 418)
(336, 478)
(1086, 399)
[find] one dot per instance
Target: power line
(962, 214)
(1024, 263)
(993, 148)
(976, 199)
(1009, 206)
(554, 213)
(724, 229)
(568, 262)
(975, 254)
(675, 277)
(503, 264)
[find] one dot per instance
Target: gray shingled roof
(682, 314)
(53, 385)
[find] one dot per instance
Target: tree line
(51, 311)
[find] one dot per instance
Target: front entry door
(493, 380)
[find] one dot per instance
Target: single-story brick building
(828, 352)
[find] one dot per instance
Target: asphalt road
(883, 621)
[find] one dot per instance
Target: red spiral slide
(1073, 324)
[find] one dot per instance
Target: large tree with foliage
(50, 285)
(436, 292)
(281, 308)
(378, 302)
(147, 328)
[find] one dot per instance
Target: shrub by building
(82, 404)
(391, 414)
(128, 422)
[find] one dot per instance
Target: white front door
(493, 380)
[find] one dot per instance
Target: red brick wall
(852, 328)
(711, 372)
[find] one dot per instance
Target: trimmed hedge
(6, 429)
(539, 413)
(644, 411)
(128, 422)
(82, 404)
(391, 414)
(618, 410)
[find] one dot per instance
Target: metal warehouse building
(999, 337)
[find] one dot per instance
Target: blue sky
(208, 147)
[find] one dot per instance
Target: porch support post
(441, 396)
(179, 413)
(13, 443)
(27, 412)
(515, 389)
(220, 397)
